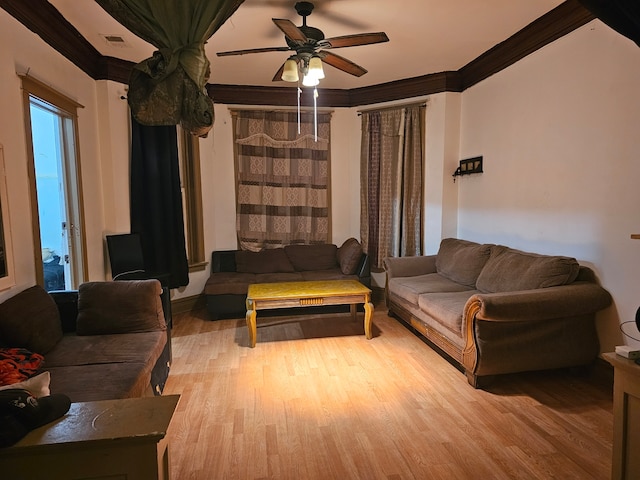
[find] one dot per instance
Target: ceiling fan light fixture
(310, 80)
(315, 68)
(290, 71)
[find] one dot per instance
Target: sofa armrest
(578, 298)
(67, 303)
(364, 267)
(223, 261)
(409, 266)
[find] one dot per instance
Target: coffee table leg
(251, 324)
(368, 313)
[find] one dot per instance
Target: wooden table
(262, 296)
(108, 439)
(626, 417)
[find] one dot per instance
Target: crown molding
(43, 19)
(555, 24)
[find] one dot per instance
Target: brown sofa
(494, 309)
(107, 340)
(232, 271)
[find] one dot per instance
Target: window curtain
(169, 87)
(156, 201)
(282, 179)
(391, 179)
(621, 15)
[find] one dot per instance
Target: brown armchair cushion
(119, 307)
(349, 255)
(266, 261)
(30, 320)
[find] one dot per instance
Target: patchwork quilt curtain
(282, 178)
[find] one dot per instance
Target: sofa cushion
(312, 257)
(349, 255)
(30, 320)
(229, 283)
(145, 347)
(266, 261)
(329, 274)
(105, 381)
(509, 270)
(119, 307)
(446, 308)
(462, 260)
(409, 288)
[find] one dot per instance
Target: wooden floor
(316, 400)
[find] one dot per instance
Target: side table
(626, 417)
(108, 439)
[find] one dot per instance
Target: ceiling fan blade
(289, 29)
(278, 76)
(253, 50)
(342, 63)
(356, 39)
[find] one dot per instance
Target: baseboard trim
(188, 304)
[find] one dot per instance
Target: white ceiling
(425, 36)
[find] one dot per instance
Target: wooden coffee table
(263, 296)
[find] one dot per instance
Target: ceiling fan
(311, 48)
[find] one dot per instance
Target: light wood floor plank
(316, 400)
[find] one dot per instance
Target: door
(58, 237)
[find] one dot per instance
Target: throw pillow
(126, 306)
(349, 255)
(38, 386)
(272, 260)
(18, 364)
(30, 320)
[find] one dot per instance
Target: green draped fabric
(169, 87)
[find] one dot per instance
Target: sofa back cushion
(30, 320)
(461, 260)
(509, 270)
(312, 257)
(349, 255)
(128, 306)
(272, 260)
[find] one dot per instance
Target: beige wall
(560, 137)
(557, 132)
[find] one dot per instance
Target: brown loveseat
(108, 340)
(232, 271)
(494, 309)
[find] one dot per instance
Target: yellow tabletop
(317, 288)
(300, 294)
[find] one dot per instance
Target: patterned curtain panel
(391, 179)
(282, 179)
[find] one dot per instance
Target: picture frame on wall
(7, 278)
